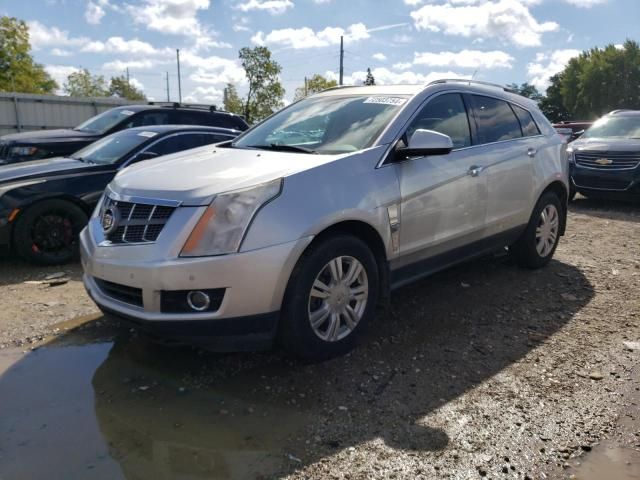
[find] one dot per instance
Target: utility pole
(128, 84)
(341, 59)
(305, 87)
(179, 80)
(167, 76)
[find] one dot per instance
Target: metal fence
(20, 112)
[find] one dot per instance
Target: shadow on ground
(606, 208)
(114, 404)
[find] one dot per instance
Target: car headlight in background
(571, 157)
(23, 151)
(222, 226)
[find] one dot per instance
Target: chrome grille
(618, 160)
(137, 222)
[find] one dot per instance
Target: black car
(20, 147)
(44, 204)
(605, 160)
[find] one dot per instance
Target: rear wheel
(330, 298)
(47, 233)
(537, 244)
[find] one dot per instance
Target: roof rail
(620, 110)
(477, 82)
(338, 87)
(200, 106)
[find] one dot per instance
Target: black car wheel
(47, 233)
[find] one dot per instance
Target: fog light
(198, 301)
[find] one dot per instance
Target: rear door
(507, 156)
(444, 199)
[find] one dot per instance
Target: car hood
(41, 168)
(48, 136)
(607, 144)
(194, 177)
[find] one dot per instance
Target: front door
(444, 197)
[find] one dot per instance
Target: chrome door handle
(532, 152)
(475, 170)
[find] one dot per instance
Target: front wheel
(47, 232)
(331, 296)
(538, 243)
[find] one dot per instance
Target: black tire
(47, 232)
(525, 249)
(296, 334)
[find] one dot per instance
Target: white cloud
(94, 13)
(509, 20)
(274, 7)
(586, 3)
(120, 65)
(305, 37)
(42, 36)
(60, 73)
(379, 56)
(205, 94)
(465, 59)
(60, 52)
(120, 45)
(384, 76)
(546, 65)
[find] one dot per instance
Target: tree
(594, 83)
(231, 100)
(552, 105)
(120, 87)
(526, 90)
(18, 71)
(315, 84)
(369, 80)
(83, 84)
(266, 93)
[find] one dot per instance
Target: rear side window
(147, 119)
(445, 114)
(529, 127)
(177, 143)
(495, 120)
(209, 119)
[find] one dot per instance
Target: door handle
(532, 152)
(475, 170)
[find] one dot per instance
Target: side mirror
(427, 142)
(145, 156)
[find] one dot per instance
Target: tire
(303, 302)
(47, 233)
(532, 251)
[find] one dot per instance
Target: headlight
(97, 212)
(23, 151)
(570, 157)
(222, 226)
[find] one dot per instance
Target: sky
(402, 41)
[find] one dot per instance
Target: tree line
(595, 82)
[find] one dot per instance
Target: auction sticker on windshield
(127, 112)
(386, 100)
(147, 134)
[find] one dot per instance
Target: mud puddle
(125, 408)
(610, 462)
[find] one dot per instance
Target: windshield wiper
(284, 148)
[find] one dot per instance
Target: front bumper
(614, 183)
(254, 283)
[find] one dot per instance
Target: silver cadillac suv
(298, 228)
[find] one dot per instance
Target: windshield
(103, 122)
(615, 127)
(111, 149)
(326, 124)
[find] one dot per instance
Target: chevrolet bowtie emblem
(604, 161)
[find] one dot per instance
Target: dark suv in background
(21, 147)
(605, 160)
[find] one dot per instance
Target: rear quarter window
(529, 126)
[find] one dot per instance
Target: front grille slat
(137, 222)
(618, 160)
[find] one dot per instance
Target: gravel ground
(485, 370)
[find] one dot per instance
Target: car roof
(374, 90)
(625, 113)
(190, 108)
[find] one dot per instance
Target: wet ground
(485, 370)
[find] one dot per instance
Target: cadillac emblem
(604, 161)
(109, 220)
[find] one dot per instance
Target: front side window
(326, 124)
(495, 120)
(176, 143)
(445, 114)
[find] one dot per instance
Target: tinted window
(114, 147)
(529, 127)
(106, 120)
(208, 119)
(495, 120)
(445, 114)
(148, 118)
(176, 143)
